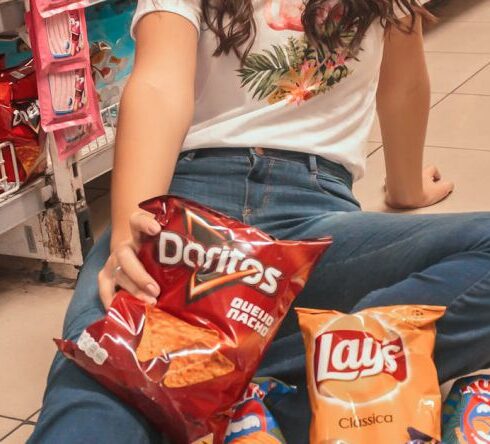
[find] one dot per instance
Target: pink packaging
(70, 140)
(47, 8)
(67, 95)
(59, 38)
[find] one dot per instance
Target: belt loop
(189, 155)
(312, 163)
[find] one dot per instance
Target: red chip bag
(371, 377)
(225, 288)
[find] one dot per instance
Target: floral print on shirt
(296, 71)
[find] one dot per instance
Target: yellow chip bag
(371, 376)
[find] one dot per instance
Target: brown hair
(342, 26)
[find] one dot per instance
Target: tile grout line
(13, 418)
(2, 438)
(471, 77)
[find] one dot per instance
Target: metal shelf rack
(48, 219)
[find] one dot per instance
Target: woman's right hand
(123, 267)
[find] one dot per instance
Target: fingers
(433, 172)
(125, 282)
(442, 189)
(135, 272)
(141, 224)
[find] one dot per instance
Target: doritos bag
(252, 422)
(19, 124)
(466, 414)
(371, 377)
(225, 288)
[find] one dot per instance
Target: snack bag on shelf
(19, 125)
(72, 139)
(67, 95)
(59, 38)
(48, 8)
(13, 50)
(371, 377)
(225, 289)
(111, 47)
(466, 413)
(252, 421)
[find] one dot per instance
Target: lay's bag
(371, 377)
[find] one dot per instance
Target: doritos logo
(215, 266)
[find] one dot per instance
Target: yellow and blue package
(111, 47)
(252, 421)
(466, 413)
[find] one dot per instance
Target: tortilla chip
(164, 334)
(195, 368)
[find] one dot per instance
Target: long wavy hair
(325, 22)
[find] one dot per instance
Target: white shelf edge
(23, 205)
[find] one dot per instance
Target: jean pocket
(334, 187)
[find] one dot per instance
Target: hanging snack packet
(59, 38)
(225, 288)
(48, 8)
(71, 140)
(252, 422)
(466, 414)
(371, 377)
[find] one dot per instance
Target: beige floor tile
(463, 37)
(467, 168)
(20, 436)
(375, 135)
(448, 71)
(460, 121)
(7, 425)
(30, 316)
(465, 11)
(100, 213)
(479, 84)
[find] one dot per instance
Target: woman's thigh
(372, 251)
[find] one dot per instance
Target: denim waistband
(312, 161)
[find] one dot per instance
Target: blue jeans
(376, 259)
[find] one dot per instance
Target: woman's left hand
(434, 190)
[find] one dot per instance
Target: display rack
(48, 219)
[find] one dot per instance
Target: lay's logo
(356, 357)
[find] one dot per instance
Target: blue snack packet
(466, 412)
(252, 421)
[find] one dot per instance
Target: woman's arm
(155, 114)
(403, 102)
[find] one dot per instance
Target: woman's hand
(434, 190)
(123, 267)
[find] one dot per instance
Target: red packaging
(19, 124)
(225, 288)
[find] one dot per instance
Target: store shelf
(24, 204)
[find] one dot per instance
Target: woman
(260, 109)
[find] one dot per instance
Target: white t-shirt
(287, 96)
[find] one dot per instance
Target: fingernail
(154, 229)
(153, 289)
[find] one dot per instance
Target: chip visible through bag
(225, 289)
(371, 377)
